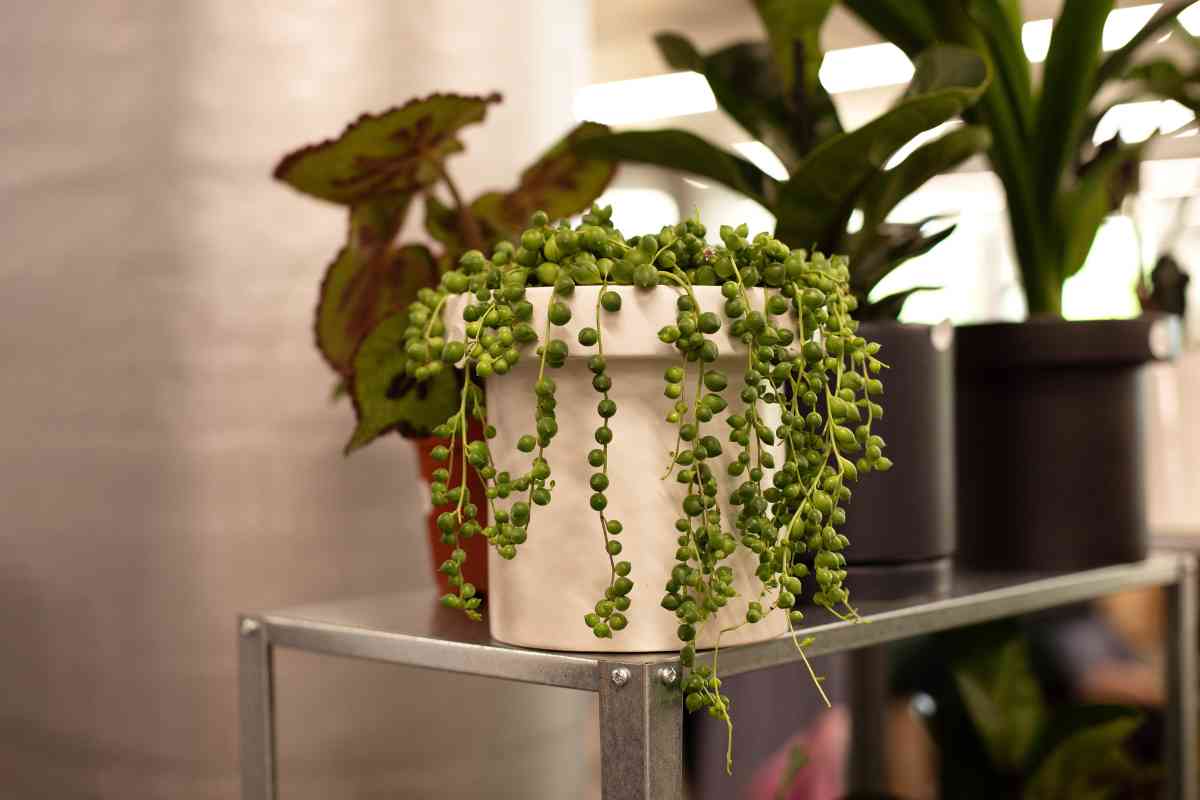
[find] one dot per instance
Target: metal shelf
(640, 710)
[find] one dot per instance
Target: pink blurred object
(823, 745)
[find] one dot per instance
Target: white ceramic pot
(539, 598)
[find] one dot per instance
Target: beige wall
(168, 455)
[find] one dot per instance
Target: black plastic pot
(906, 516)
(1049, 417)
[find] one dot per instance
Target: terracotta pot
(539, 598)
(476, 568)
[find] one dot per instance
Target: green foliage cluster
(1059, 185)
(376, 169)
(772, 90)
(790, 481)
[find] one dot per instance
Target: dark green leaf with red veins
(386, 398)
(562, 182)
(445, 225)
(400, 150)
(367, 280)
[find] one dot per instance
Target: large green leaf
(815, 203)
(1003, 699)
(386, 398)
(367, 279)
(1090, 760)
(885, 190)
(1000, 25)
(1098, 191)
(909, 24)
(679, 52)
(687, 152)
(793, 30)
(747, 88)
(1067, 89)
(400, 150)
(564, 181)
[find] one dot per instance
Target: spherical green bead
(526, 443)
(598, 482)
(596, 457)
(614, 527)
(588, 337)
(610, 300)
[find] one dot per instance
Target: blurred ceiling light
(1035, 38)
(867, 67)
(1190, 19)
(1123, 23)
(855, 222)
(1137, 122)
(761, 156)
(673, 94)
(695, 183)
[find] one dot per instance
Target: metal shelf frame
(641, 708)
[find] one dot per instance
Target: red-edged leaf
(366, 281)
(400, 150)
(562, 182)
(386, 398)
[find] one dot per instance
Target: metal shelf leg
(866, 769)
(641, 733)
(1183, 772)
(256, 697)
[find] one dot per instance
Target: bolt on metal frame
(641, 707)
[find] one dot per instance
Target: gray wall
(168, 455)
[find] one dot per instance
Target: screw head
(249, 627)
(620, 676)
(668, 675)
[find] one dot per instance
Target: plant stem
(467, 223)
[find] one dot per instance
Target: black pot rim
(1053, 341)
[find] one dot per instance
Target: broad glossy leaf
(386, 398)
(908, 24)
(679, 52)
(1067, 89)
(816, 202)
(747, 88)
(687, 152)
(886, 189)
(367, 279)
(1004, 700)
(1098, 191)
(793, 30)
(1090, 762)
(564, 181)
(398, 151)
(1000, 25)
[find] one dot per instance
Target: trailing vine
(799, 417)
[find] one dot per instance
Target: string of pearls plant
(790, 481)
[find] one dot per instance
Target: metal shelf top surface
(412, 628)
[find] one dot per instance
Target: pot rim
(1058, 342)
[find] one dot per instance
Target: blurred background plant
(1059, 182)
(840, 186)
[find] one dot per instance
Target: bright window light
(866, 67)
(761, 156)
(1190, 19)
(674, 94)
(855, 222)
(1035, 38)
(1123, 23)
(640, 210)
(1137, 122)
(1104, 288)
